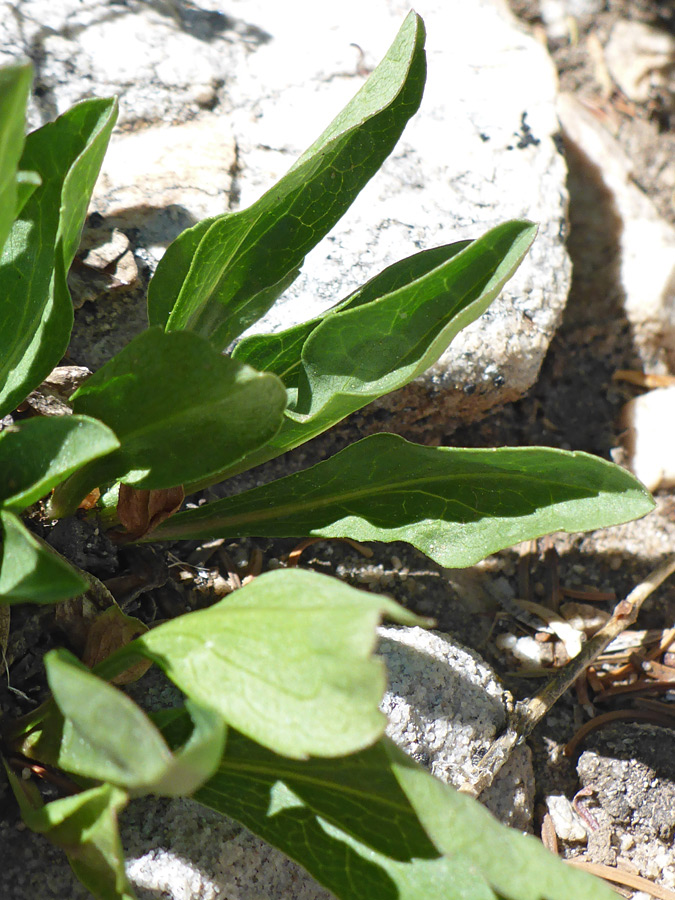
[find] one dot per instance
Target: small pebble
(565, 820)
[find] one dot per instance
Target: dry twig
(527, 714)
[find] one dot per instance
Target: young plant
(280, 727)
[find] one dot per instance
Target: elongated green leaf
(180, 409)
(35, 309)
(85, 826)
(286, 660)
(173, 270)
(359, 825)
(37, 454)
(131, 754)
(383, 336)
(281, 352)
(244, 260)
(455, 505)
(30, 571)
(15, 84)
(369, 350)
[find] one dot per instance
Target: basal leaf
(31, 572)
(15, 84)
(455, 505)
(281, 352)
(85, 826)
(38, 453)
(173, 270)
(244, 260)
(132, 754)
(385, 335)
(180, 410)
(375, 826)
(35, 308)
(286, 660)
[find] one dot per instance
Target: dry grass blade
(635, 882)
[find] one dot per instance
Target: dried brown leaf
(141, 511)
(111, 630)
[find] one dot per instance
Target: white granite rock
(481, 150)
(445, 707)
(649, 437)
(163, 179)
(165, 60)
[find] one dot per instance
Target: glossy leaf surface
(375, 826)
(281, 352)
(15, 84)
(244, 260)
(180, 410)
(385, 335)
(36, 314)
(455, 505)
(31, 572)
(37, 454)
(286, 660)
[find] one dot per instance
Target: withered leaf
(111, 630)
(141, 511)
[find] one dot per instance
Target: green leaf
(36, 454)
(286, 660)
(383, 336)
(15, 84)
(32, 572)
(36, 313)
(281, 352)
(358, 793)
(244, 260)
(26, 183)
(455, 505)
(180, 409)
(197, 760)
(359, 825)
(132, 754)
(85, 826)
(514, 864)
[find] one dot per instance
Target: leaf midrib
(258, 773)
(339, 499)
